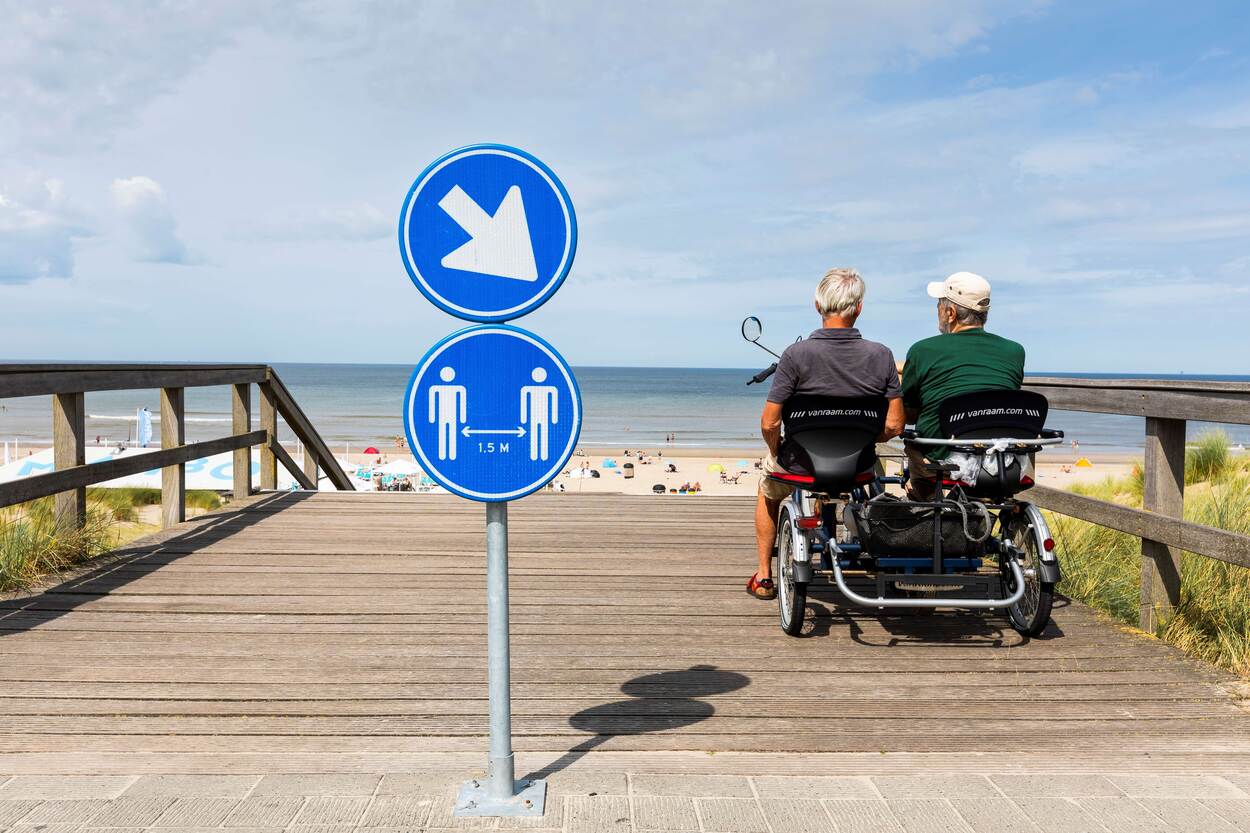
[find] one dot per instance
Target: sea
(355, 406)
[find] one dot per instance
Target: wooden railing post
(69, 449)
(1163, 490)
(310, 463)
(269, 424)
(173, 478)
(241, 423)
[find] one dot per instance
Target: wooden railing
(1166, 406)
(67, 384)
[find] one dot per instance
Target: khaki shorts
(773, 489)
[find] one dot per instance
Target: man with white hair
(963, 358)
(833, 361)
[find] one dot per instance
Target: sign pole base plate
(473, 800)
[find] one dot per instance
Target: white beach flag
(144, 431)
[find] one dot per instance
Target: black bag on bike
(888, 526)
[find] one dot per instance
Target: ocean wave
(156, 417)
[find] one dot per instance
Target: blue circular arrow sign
(487, 233)
(492, 412)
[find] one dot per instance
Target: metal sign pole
(501, 772)
(500, 795)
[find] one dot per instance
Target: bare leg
(766, 532)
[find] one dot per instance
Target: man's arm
(895, 421)
(770, 426)
(910, 386)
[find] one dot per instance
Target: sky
(222, 181)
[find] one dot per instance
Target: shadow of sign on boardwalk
(657, 702)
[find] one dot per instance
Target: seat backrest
(831, 439)
(996, 414)
(986, 414)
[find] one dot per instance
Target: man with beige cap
(962, 359)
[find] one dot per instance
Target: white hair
(839, 292)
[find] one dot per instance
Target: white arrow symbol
(499, 245)
(516, 432)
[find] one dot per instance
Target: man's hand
(770, 426)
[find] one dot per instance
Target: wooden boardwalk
(346, 633)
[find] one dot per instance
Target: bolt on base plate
(530, 800)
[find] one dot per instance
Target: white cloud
(37, 231)
(358, 222)
(1070, 157)
(71, 74)
(144, 208)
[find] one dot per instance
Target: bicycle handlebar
(763, 374)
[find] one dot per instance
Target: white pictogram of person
(449, 409)
(540, 407)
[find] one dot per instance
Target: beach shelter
(371, 450)
(715, 467)
(743, 464)
(1084, 463)
(609, 464)
(659, 488)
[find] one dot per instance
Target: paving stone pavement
(589, 801)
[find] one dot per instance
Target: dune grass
(123, 502)
(32, 545)
(1103, 568)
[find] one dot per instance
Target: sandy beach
(1056, 468)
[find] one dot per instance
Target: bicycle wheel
(1028, 533)
(791, 594)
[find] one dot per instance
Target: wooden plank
(291, 466)
(45, 367)
(29, 488)
(173, 477)
(269, 424)
(1178, 385)
(241, 423)
(69, 451)
(336, 632)
(1224, 402)
(1219, 544)
(303, 428)
(39, 383)
(1163, 487)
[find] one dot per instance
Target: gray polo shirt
(835, 362)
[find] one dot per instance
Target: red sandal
(761, 588)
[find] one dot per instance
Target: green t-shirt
(954, 363)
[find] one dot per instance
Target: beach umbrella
(401, 466)
(371, 450)
(715, 467)
(609, 464)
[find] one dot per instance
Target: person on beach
(833, 361)
(962, 358)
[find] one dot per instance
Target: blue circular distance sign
(492, 412)
(487, 233)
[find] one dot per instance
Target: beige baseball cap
(965, 289)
